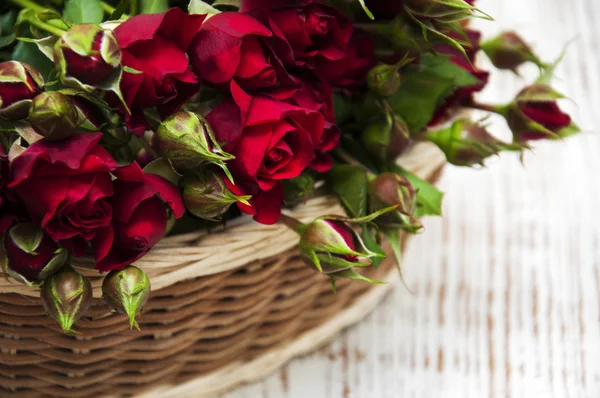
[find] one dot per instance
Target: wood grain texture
(507, 284)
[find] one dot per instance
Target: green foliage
(350, 183)
(153, 6)
(425, 87)
(83, 11)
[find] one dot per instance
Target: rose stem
(107, 8)
(291, 223)
(110, 9)
(46, 26)
(346, 157)
(499, 109)
(146, 145)
(32, 5)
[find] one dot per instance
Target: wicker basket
(227, 307)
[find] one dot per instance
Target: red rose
(271, 140)
(64, 186)
(265, 206)
(465, 94)
(317, 96)
(234, 48)
(140, 203)
(350, 71)
(315, 31)
(156, 45)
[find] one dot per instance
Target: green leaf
(7, 23)
(154, 6)
(6, 41)
(429, 198)
(228, 3)
(425, 87)
(83, 11)
(350, 184)
(30, 53)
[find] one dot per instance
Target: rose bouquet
(124, 121)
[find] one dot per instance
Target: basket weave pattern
(218, 299)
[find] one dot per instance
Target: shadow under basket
(227, 307)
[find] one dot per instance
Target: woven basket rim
(187, 256)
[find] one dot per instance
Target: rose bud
(31, 256)
(298, 190)
(534, 115)
(384, 80)
(53, 115)
(66, 296)
(126, 291)
(331, 245)
(405, 38)
(466, 143)
(89, 110)
(87, 55)
(19, 84)
(391, 189)
(187, 140)
(206, 196)
(509, 51)
(386, 140)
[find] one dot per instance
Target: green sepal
(163, 168)
(351, 274)
(27, 236)
(370, 241)
(349, 182)
(393, 237)
(366, 9)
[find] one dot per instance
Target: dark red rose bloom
(265, 206)
(156, 45)
(234, 48)
(465, 94)
(317, 96)
(65, 187)
(350, 71)
(140, 213)
(271, 140)
(315, 31)
(30, 265)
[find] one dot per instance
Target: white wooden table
(507, 284)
